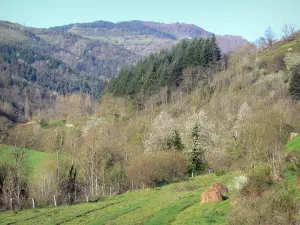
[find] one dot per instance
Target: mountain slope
(42, 63)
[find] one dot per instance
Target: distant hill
(143, 38)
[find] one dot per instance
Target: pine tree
(215, 49)
(207, 52)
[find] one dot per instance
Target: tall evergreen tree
(215, 49)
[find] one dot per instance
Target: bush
(156, 168)
(218, 160)
(240, 182)
(259, 181)
(281, 207)
(43, 123)
(292, 60)
(262, 64)
(278, 62)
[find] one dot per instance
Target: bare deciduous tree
(3, 128)
(261, 43)
(270, 36)
(288, 30)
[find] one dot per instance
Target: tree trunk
(69, 198)
(96, 183)
(54, 199)
(103, 193)
(11, 204)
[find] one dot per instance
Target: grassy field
(36, 158)
(177, 203)
(280, 47)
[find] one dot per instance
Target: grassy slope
(177, 203)
(293, 144)
(289, 173)
(281, 47)
(36, 158)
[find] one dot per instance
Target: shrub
(240, 182)
(281, 207)
(218, 160)
(292, 60)
(259, 181)
(156, 168)
(43, 123)
(262, 64)
(278, 62)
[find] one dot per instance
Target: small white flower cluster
(292, 59)
(240, 182)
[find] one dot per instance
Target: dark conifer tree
(165, 68)
(295, 83)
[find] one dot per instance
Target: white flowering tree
(292, 59)
(163, 134)
(199, 139)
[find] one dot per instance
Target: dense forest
(168, 68)
(41, 64)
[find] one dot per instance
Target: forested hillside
(39, 64)
(171, 69)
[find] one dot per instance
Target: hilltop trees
(288, 30)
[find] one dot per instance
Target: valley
(143, 122)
